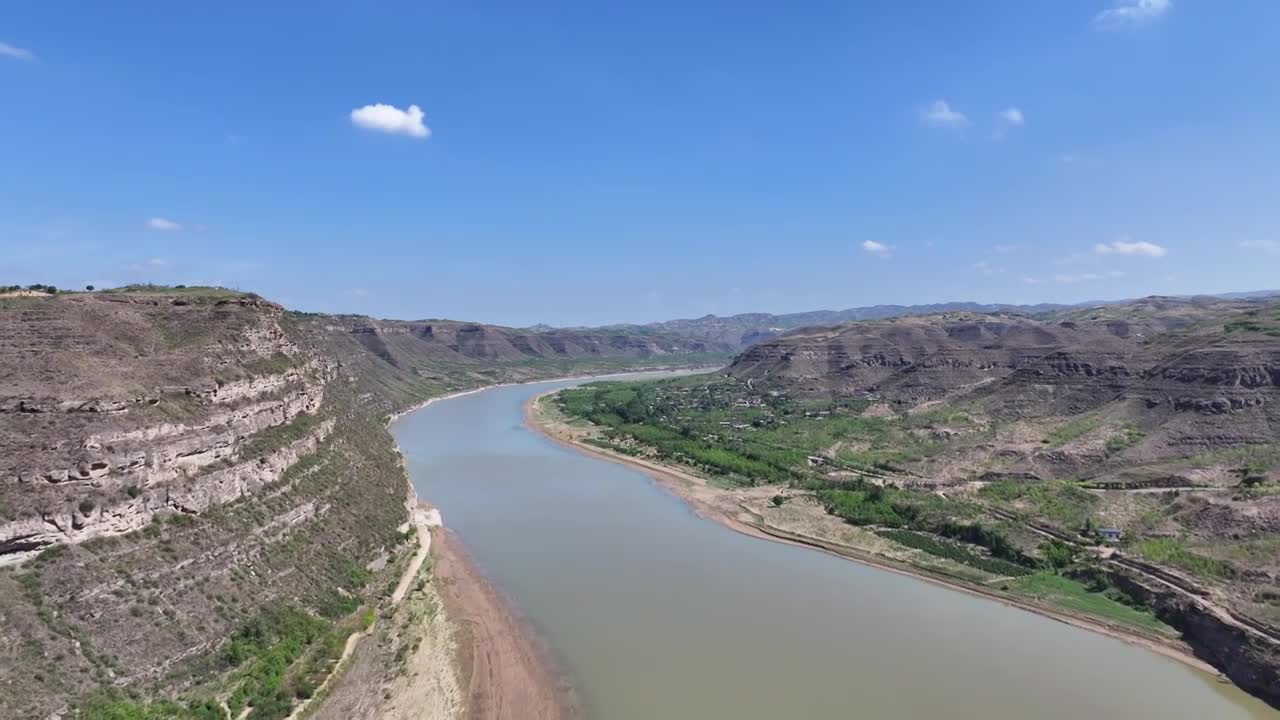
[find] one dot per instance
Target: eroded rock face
(1249, 656)
(91, 451)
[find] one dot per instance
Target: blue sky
(582, 162)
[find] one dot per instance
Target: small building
(1110, 534)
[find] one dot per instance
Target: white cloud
(1124, 245)
(151, 264)
(159, 223)
(1131, 13)
(1013, 117)
(940, 114)
(1088, 277)
(1028, 280)
(17, 53)
(391, 119)
(1269, 246)
(987, 268)
(877, 249)
(1004, 249)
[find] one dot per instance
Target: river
(653, 612)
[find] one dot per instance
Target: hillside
(744, 330)
(198, 497)
(993, 450)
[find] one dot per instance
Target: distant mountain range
(746, 329)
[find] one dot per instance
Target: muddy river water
(653, 612)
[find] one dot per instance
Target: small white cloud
(17, 53)
(151, 264)
(940, 114)
(877, 249)
(1013, 117)
(987, 268)
(391, 119)
(1004, 249)
(1124, 245)
(1131, 13)
(159, 223)
(1088, 277)
(1267, 246)
(1028, 280)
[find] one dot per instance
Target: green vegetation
(191, 291)
(1173, 551)
(276, 364)
(1271, 329)
(955, 552)
(106, 705)
(37, 287)
(284, 654)
(276, 437)
(1063, 504)
(721, 427)
(1073, 430)
(1123, 440)
(1096, 601)
(1058, 555)
(873, 505)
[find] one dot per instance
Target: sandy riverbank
(726, 507)
(505, 674)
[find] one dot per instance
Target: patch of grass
(1073, 430)
(276, 364)
(276, 437)
(1173, 551)
(1259, 551)
(954, 551)
(1056, 590)
(871, 505)
(110, 705)
(1062, 503)
(1239, 326)
(1123, 440)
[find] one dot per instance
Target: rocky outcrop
(1245, 654)
(126, 512)
(106, 456)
